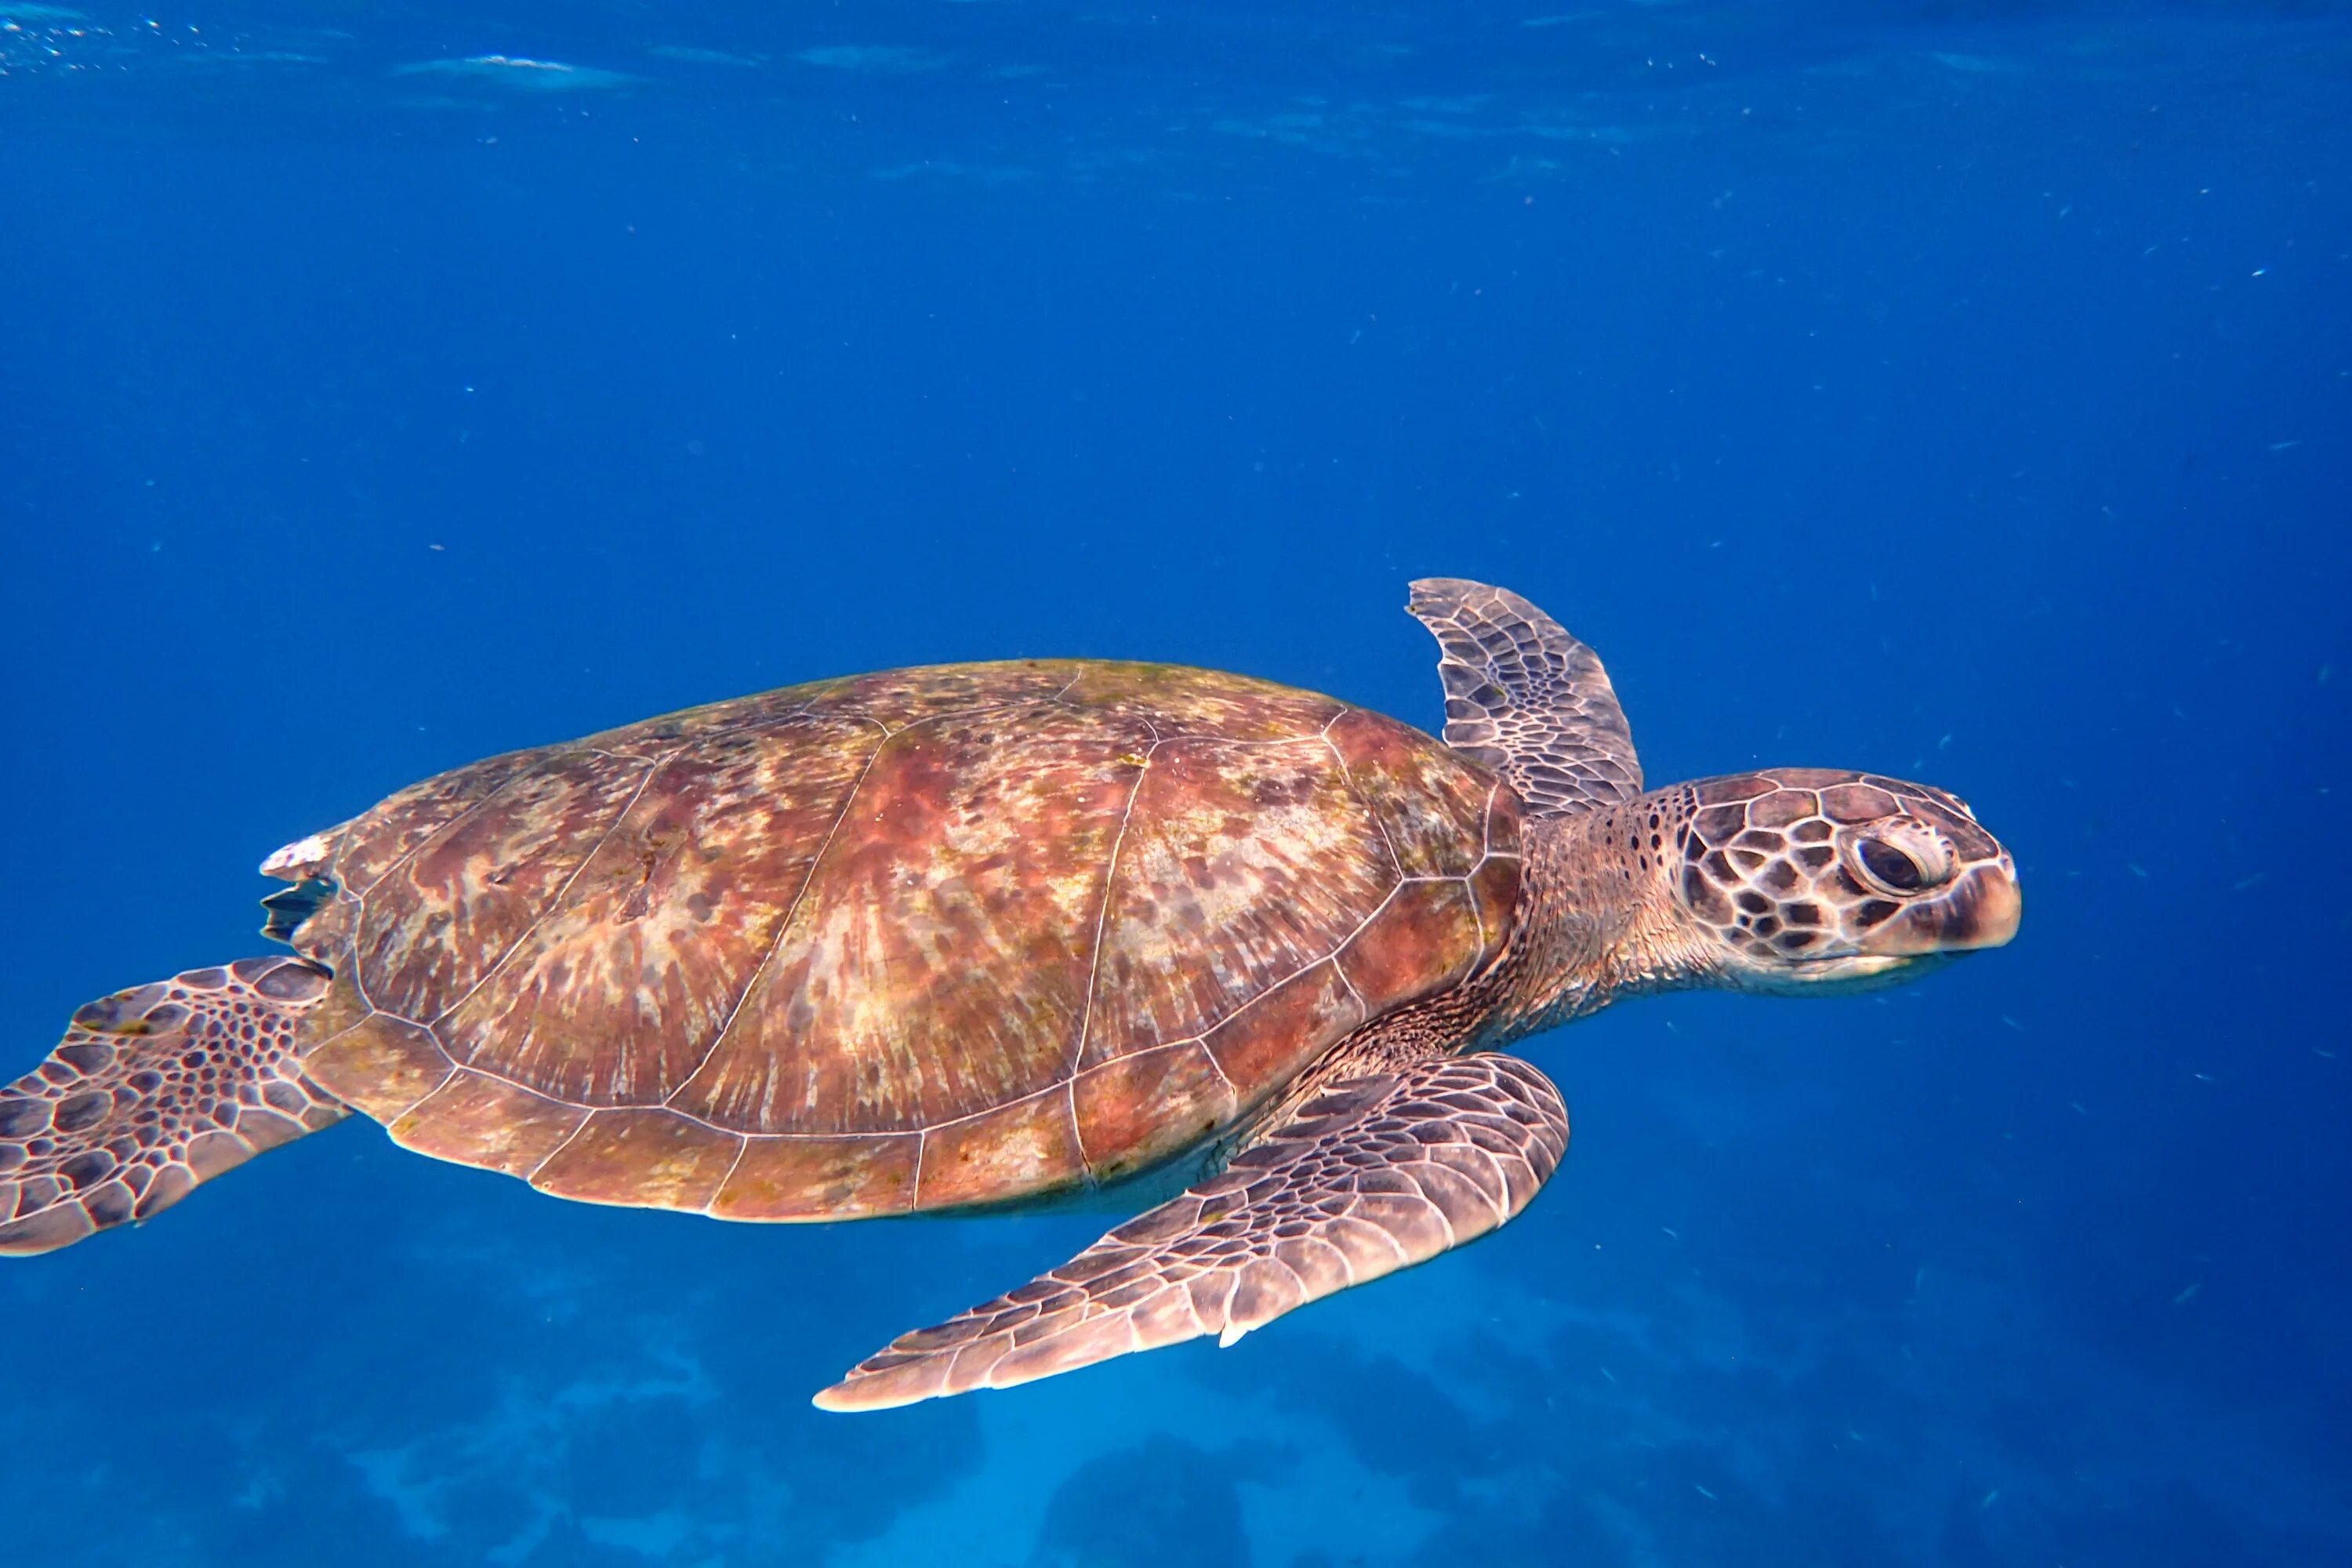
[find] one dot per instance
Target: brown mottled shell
(911, 941)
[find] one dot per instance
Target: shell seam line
(531, 1175)
(742, 1147)
(1347, 782)
(439, 833)
(555, 902)
(1077, 1135)
(808, 879)
(1102, 911)
(785, 925)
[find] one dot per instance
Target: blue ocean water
(1953, 388)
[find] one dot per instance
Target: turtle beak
(1980, 910)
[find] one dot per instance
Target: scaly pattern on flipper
(152, 1091)
(1371, 1175)
(1526, 699)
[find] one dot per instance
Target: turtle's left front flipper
(1370, 1175)
(152, 1091)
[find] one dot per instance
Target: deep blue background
(1960, 391)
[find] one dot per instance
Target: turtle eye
(1890, 867)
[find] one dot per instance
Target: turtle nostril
(1990, 916)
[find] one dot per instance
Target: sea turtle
(955, 938)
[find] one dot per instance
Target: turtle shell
(919, 940)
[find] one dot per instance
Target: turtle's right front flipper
(152, 1091)
(1371, 1175)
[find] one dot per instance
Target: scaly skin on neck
(1600, 922)
(1782, 880)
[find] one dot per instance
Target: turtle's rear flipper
(1370, 1176)
(152, 1091)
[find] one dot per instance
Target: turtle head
(1805, 880)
